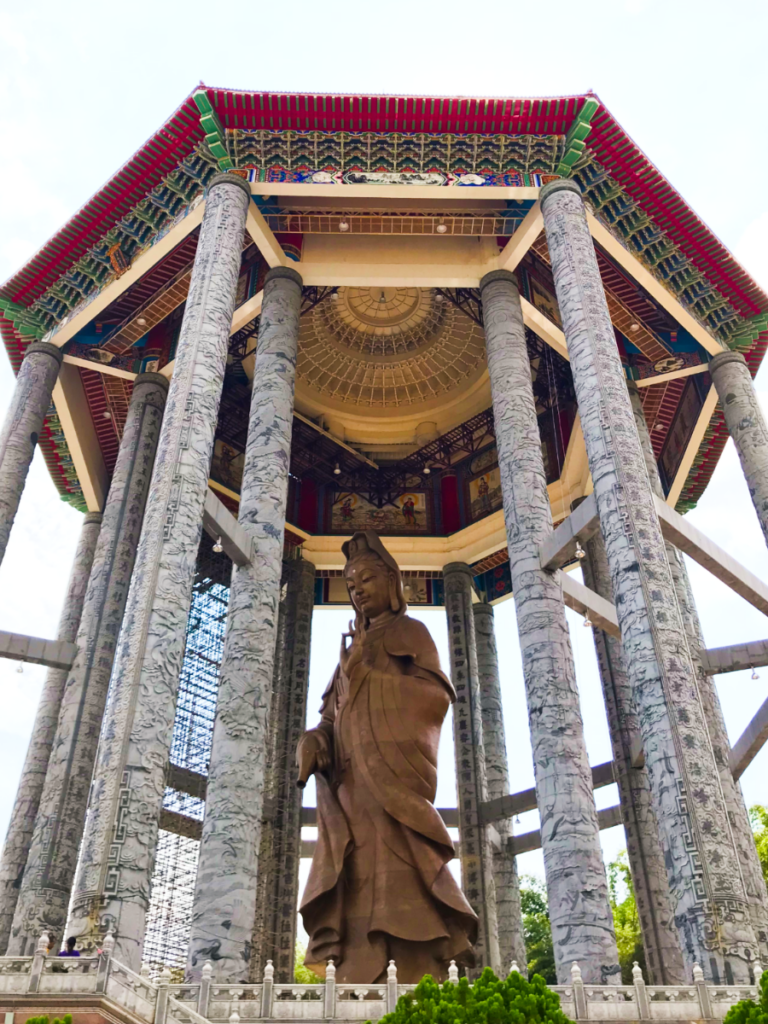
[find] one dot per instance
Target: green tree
(626, 920)
(536, 929)
(746, 1011)
(758, 816)
(301, 974)
(490, 1000)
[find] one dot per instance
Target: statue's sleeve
(328, 707)
(410, 638)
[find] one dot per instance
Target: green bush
(489, 1001)
(66, 1019)
(747, 1011)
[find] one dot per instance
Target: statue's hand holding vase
(312, 754)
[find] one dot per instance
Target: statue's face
(368, 586)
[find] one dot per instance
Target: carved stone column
(274, 936)
(475, 846)
(749, 861)
(579, 911)
(663, 955)
(21, 430)
(45, 891)
(118, 851)
(508, 914)
(708, 897)
(746, 425)
(225, 895)
(22, 823)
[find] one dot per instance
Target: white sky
(82, 85)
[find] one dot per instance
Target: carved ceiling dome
(387, 347)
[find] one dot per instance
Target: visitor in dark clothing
(70, 950)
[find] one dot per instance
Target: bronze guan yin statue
(379, 888)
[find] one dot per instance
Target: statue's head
(372, 576)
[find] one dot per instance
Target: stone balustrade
(54, 980)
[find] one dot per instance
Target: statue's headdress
(368, 545)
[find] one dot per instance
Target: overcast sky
(82, 85)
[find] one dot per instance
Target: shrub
(490, 1000)
(747, 1011)
(66, 1019)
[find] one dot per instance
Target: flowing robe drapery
(379, 887)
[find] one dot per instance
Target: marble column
(274, 935)
(118, 852)
(45, 890)
(663, 955)
(224, 908)
(752, 874)
(579, 910)
(22, 823)
(709, 900)
(746, 425)
(508, 914)
(21, 429)
(476, 848)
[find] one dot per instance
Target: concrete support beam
(717, 660)
(262, 235)
(51, 653)
(219, 523)
(560, 545)
(581, 599)
(522, 240)
(684, 535)
(750, 743)
(512, 804)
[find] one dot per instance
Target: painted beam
(662, 378)
(218, 522)
(750, 743)
(456, 193)
(560, 545)
(581, 599)
(528, 841)
(521, 241)
(247, 312)
(262, 235)
(544, 328)
(716, 660)
(655, 288)
(90, 364)
(51, 653)
(684, 535)
(70, 325)
(391, 275)
(80, 435)
(517, 803)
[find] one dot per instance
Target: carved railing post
(204, 994)
(453, 972)
(161, 1003)
(757, 969)
(703, 992)
(329, 1009)
(513, 968)
(391, 987)
(105, 959)
(579, 995)
(266, 993)
(38, 962)
(641, 995)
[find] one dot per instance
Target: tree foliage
(747, 1011)
(536, 929)
(758, 816)
(301, 974)
(45, 1019)
(626, 920)
(489, 1001)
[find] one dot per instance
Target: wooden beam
(581, 599)
(750, 743)
(336, 440)
(560, 545)
(33, 650)
(80, 435)
(544, 328)
(684, 535)
(263, 236)
(91, 364)
(531, 227)
(717, 660)
(70, 325)
(705, 416)
(392, 275)
(455, 193)
(247, 312)
(661, 378)
(655, 289)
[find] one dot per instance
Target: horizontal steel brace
(750, 743)
(736, 658)
(51, 653)
(560, 545)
